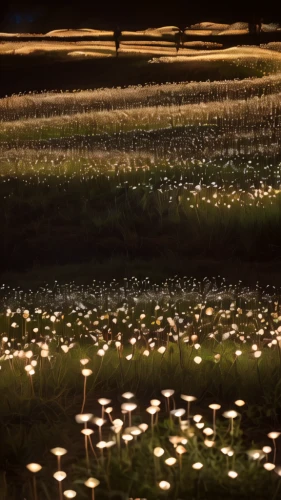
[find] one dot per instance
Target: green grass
(143, 180)
(172, 171)
(52, 219)
(36, 417)
(164, 184)
(224, 115)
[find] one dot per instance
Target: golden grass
(143, 118)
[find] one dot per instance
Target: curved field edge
(150, 118)
(36, 105)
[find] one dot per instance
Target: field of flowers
(129, 386)
(161, 380)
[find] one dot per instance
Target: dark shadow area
(40, 72)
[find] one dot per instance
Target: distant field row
(53, 103)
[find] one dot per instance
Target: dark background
(32, 16)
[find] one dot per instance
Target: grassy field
(212, 341)
(61, 219)
(176, 171)
(53, 69)
(104, 195)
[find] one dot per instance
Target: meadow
(173, 381)
(170, 369)
(153, 163)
